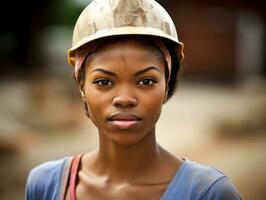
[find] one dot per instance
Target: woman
(126, 56)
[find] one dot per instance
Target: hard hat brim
(116, 31)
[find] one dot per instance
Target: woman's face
(124, 89)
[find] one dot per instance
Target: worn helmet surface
(105, 18)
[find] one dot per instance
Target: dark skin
(125, 77)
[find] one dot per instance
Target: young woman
(126, 56)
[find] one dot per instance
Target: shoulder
(44, 180)
(197, 181)
(222, 188)
(209, 183)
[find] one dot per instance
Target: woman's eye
(147, 82)
(103, 82)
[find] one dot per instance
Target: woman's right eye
(103, 82)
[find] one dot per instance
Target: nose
(125, 100)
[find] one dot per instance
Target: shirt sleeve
(44, 181)
(222, 189)
(28, 191)
(34, 187)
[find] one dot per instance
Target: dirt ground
(219, 125)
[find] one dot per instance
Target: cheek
(97, 103)
(152, 102)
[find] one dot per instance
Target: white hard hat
(105, 18)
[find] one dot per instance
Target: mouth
(124, 120)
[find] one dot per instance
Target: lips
(124, 120)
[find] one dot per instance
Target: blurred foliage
(64, 13)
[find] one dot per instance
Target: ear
(180, 52)
(165, 94)
(82, 95)
(85, 102)
(165, 100)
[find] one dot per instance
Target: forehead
(126, 46)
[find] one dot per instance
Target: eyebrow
(136, 74)
(104, 71)
(147, 69)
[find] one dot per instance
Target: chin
(126, 137)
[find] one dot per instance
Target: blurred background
(217, 116)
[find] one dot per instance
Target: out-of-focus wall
(224, 41)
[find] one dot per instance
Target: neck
(123, 162)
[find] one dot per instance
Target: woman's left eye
(147, 82)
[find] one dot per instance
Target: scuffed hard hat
(105, 18)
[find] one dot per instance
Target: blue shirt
(192, 181)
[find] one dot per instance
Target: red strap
(73, 176)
